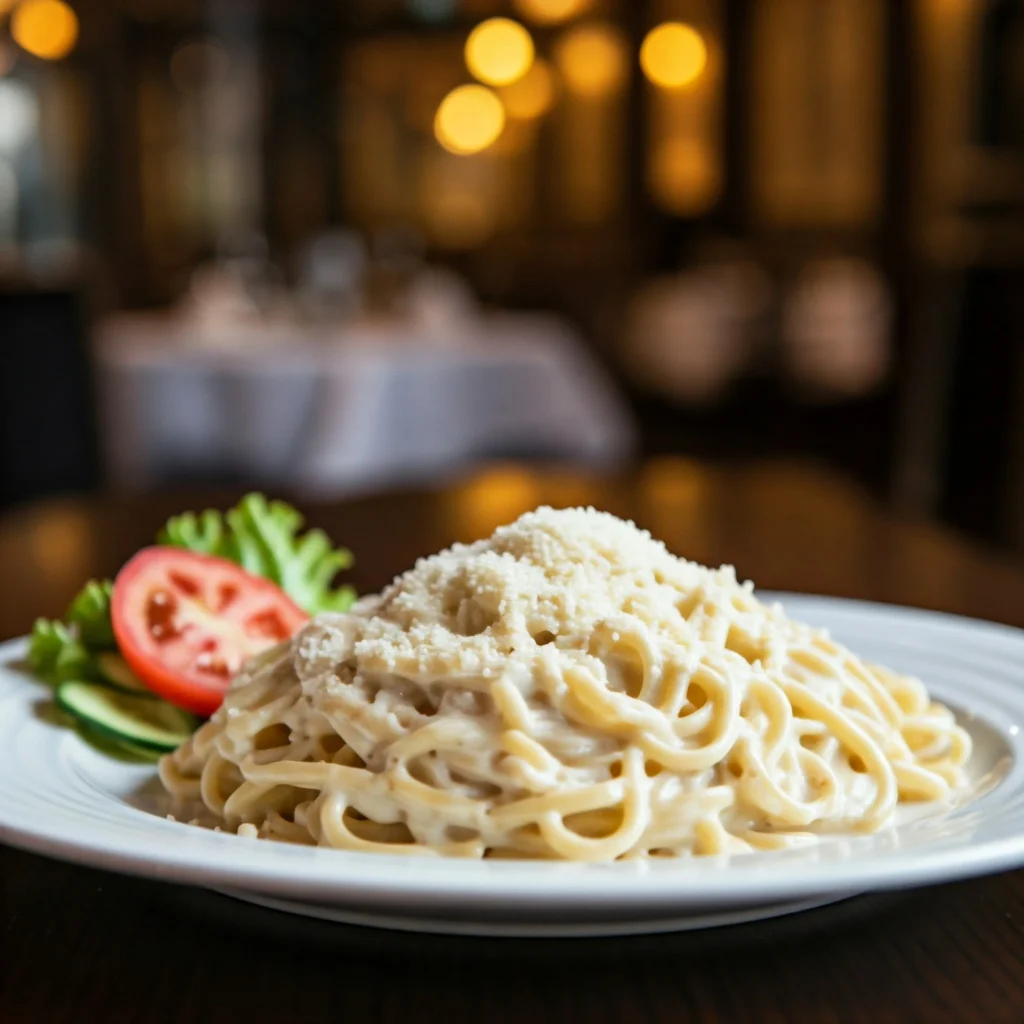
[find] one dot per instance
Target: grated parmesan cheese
(550, 576)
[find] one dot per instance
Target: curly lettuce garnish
(56, 653)
(90, 614)
(263, 537)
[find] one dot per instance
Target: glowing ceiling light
(45, 28)
(673, 55)
(533, 94)
(551, 12)
(469, 119)
(592, 59)
(498, 51)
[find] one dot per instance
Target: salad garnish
(182, 615)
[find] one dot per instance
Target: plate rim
(375, 880)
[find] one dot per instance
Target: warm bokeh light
(457, 219)
(592, 59)
(499, 51)
(549, 12)
(469, 119)
(682, 177)
(60, 541)
(533, 94)
(45, 28)
(496, 496)
(673, 55)
(6, 5)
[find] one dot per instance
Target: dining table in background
(86, 945)
(349, 408)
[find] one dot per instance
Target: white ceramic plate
(60, 797)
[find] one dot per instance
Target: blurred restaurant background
(331, 246)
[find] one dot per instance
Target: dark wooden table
(82, 945)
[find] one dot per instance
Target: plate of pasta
(563, 729)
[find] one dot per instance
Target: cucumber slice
(114, 670)
(121, 750)
(127, 718)
(150, 754)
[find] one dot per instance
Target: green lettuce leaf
(265, 539)
(204, 533)
(56, 653)
(90, 613)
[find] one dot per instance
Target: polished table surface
(82, 945)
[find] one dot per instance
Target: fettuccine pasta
(566, 689)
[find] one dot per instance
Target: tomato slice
(185, 622)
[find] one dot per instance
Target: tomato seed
(268, 623)
(184, 583)
(160, 613)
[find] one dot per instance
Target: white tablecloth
(363, 409)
